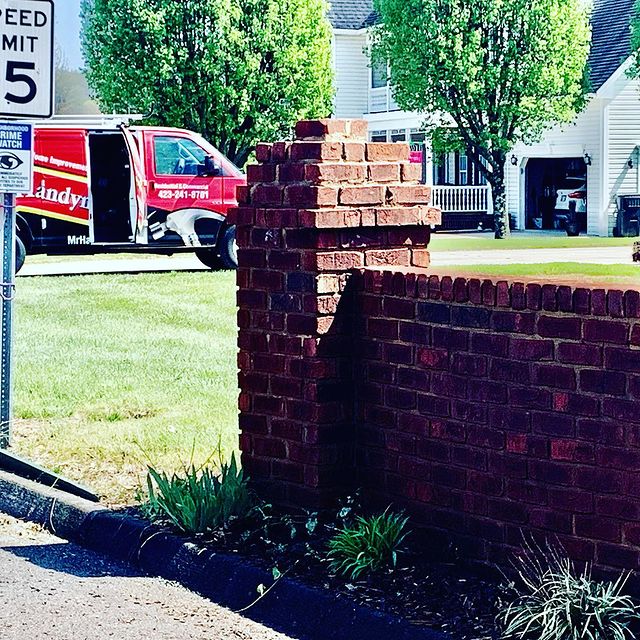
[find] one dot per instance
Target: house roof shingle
(351, 14)
(611, 41)
(611, 38)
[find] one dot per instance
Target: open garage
(555, 187)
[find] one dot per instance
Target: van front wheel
(228, 249)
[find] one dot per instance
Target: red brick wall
(488, 409)
(483, 408)
(314, 212)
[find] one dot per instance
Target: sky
(67, 30)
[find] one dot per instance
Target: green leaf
(368, 546)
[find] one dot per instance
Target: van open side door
(138, 189)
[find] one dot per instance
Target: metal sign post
(7, 288)
(16, 176)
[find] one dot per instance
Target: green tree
(634, 70)
(496, 72)
(236, 71)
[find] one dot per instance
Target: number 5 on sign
(26, 58)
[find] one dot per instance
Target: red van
(103, 186)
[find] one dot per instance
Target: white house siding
(624, 138)
(351, 68)
(568, 141)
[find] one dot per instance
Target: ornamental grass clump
(554, 602)
(370, 545)
(201, 500)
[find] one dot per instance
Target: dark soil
(440, 596)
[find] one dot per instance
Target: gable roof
(611, 38)
(351, 14)
(610, 20)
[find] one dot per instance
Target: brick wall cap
(519, 285)
(332, 129)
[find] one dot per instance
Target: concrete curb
(291, 607)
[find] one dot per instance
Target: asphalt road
(595, 255)
(56, 590)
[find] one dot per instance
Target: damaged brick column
(316, 211)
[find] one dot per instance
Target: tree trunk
(241, 156)
(500, 214)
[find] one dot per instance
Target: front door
(181, 190)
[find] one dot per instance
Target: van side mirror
(210, 168)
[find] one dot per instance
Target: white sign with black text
(26, 58)
(16, 157)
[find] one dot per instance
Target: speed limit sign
(26, 58)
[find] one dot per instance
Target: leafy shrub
(555, 603)
(201, 500)
(367, 546)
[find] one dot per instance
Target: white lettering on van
(78, 240)
(66, 164)
(71, 200)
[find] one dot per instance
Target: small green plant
(554, 602)
(369, 545)
(201, 500)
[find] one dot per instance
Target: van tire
(21, 253)
(209, 258)
(227, 248)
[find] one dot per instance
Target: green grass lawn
(519, 240)
(575, 273)
(113, 371)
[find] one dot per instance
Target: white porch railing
(462, 199)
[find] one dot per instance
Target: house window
(450, 169)
(417, 136)
(482, 178)
(379, 74)
(463, 169)
(398, 135)
(378, 136)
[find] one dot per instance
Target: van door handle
(152, 184)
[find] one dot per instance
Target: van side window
(178, 156)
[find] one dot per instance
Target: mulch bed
(446, 596)
(441, 596)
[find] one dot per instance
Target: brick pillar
(315, 212)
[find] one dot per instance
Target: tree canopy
(634, 70)
(236, 71)
(489, 73)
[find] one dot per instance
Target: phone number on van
(178, 194)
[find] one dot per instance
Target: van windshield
(176, 155)
(229, 169)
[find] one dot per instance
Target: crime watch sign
(26, 58)
(16, 160)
